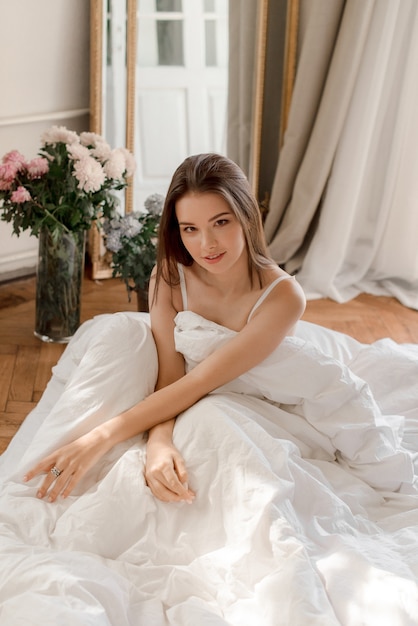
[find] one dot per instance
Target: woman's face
(210, 231)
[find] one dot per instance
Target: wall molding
(43, 117)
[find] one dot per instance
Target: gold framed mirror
(276, 54)
(99, 41)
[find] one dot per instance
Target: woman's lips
(214, 258)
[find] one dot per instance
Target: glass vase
(142, 299)
(58, 286)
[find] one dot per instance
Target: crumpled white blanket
(304, 468)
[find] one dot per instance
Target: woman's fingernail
(39, 494)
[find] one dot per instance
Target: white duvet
(306, 511)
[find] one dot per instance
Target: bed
(306, 509)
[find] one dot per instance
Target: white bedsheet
(307, 503)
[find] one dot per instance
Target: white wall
(44, 79)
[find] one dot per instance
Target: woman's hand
(66, 466)
(166, 474)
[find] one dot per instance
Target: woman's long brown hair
(209, 173)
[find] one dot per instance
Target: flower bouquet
(57, 196)
(132, 241)
(66, 187)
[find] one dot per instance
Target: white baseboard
(18, 265)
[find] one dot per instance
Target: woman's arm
(272, 321)
(165, 469)
(270, 324)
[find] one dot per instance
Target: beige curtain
(365, 240)
(332, 36)
(290, 217)
(342, 211)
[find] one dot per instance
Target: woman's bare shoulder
(285, 300)
(164, 295)
(271, 273)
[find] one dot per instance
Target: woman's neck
(234, 281)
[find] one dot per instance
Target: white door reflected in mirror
(181, 85)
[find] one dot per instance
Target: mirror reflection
(181, 84)
(114, 74)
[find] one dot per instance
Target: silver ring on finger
(57, 472)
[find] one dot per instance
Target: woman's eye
(221, 222)
(189, 229)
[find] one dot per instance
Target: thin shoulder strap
(266, 292)
(182, 286)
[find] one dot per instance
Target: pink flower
(5, 185)
(37, 167)
(89, 173)
(8, 171)
(16, 158)
(20, 195)
(59, 134)
(115, 165)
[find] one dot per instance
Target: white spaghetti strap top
(260, 300)
(182, 286)
(266, 292)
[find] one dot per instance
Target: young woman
(293, 445)
(211, 248)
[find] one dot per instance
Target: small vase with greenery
(57, 196)
(131, 240)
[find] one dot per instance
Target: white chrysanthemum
(77, 151)
(102, 151)
(129, 161)
(115, 166)
(90, 139)
(89, 173)
(57, 134)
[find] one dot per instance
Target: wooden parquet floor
(26, 362)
